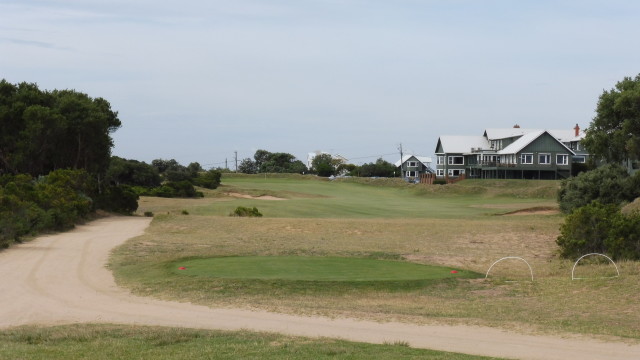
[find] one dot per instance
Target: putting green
(313, 269)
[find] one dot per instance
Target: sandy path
(61, 279)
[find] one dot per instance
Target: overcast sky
(197, 80)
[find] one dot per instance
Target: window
(456, 160)
(579, 159)
(544, 159)
(562, 159)
(411, 173)
(412, 163)
(526, 158)
(456, 172)
(440, 160)
(440, 172)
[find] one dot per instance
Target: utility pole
(401, 158)
(226, 164)
(236, 158)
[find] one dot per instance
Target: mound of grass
(304, 268)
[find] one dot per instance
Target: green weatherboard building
(513, 153)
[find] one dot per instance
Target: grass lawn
(108, 342)
(457, 226)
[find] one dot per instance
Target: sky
(210, 81)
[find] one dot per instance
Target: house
(512, 153)
(412, 166)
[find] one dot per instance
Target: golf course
(402, 266)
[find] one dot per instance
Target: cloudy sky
(198, 80)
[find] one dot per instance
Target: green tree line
(593, 200)
(56, 167)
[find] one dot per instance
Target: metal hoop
(511, 257)
(606, 277)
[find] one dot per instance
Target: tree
(608, 184)
(323, 165)
(132, 172)
(273, 163)
(247, 166)
(614, 133)
(260, 157)
(381, 168)
(43, 131)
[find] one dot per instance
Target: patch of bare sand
(263, 197)
(541, 210)
(62, 279)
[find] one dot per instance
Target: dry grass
(552, 303)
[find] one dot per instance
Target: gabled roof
(562, 135)
(566, 135)
(426, 160)
(462, 144)
(527, 139)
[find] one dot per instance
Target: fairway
(387, 237)
(314, 269)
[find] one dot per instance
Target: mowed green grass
(341, 199)
(455, 226)
(107, 342)
(307, 268)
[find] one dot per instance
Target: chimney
(516, 126)
(577, 129)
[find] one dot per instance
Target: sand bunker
(263, 197)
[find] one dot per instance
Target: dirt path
(61, 279)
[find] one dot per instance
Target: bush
(173, 189)
(609, 184)
(600, 228)
(120, 199)
(246, 212)
(53, 202)
(209, 179)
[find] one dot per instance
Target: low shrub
(120, 199)
(246, 212)
(600, 228)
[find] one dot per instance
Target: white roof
(463, 144)
(426, 160)
(494, 134)
(566, 135)
(562, 135)
(525, 140)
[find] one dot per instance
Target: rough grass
(456, 230)
(98, 342)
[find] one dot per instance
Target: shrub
(185, 212)
(120, 199)
(209, 179)
(246, 212)
(148, 213)
(600, 228)
(176, 189)
(609, 184)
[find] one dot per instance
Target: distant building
(412, 166)
(512, 153)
